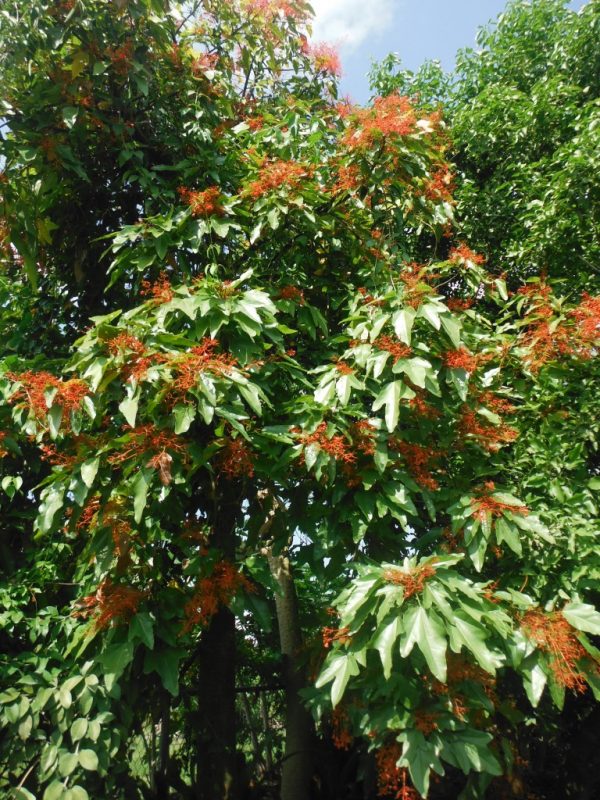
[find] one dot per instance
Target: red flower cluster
(146, 439)
(3, 450)
(390, 116)
(489, 436)
(344, 368)
(202, 204)
(416, 278)
(235, 460)
(137, 364)
(212, 593)
(459, 303)
(34, 385)
(292, 293)
(391, 779)
(362, 433)
(201, 358)
(348, 179)
(160, 291)
(326, 59)
(418, 460)
(552, 634)
(587, 317)
(396, 348)
(369, 299)
(205, 63)
(463, 254)
(485, 502)
(340, 734)
(421, 407)
(426, 722)
(336, 447)
(440, 186)
(125, 341)
(110, 602)
(276, 174)
(331, 635)
(121, 57)
(413, 581)
(460, 359)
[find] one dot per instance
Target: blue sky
(415, 29)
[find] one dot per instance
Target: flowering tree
(300, 400)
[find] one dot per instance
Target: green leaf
(427, 632)
(420, 756)
(347, 667)
(165, 663)
(69, 115)
(67, 762)
(89, 470)
(116, 657)
(79, 729)
(54, 419)
(77, 793)
(384, 642)
(403, 322)
(54, 791)
(509, 534)
(88, 759)
(142, 628)
(250, 395)
(184, 414)
(129, 408)
(140, 493)
(467, 634)
(390, 397)
(452, 327)
(582, 616)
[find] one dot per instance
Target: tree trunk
(297, 767)
(217, 777)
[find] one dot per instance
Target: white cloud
(347, 23)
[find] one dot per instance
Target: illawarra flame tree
(303, 398)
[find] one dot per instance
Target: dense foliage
(310, 509)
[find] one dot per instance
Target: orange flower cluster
(3, 450)
(463, 253)
(413, 581)
(344, 368)
(459, 303)
(587, 317)
(460, 359)
(121, 57)
(552, 634)
(426, 722)
(391, 779)
(160, 291)
(326, 59)
(421, 407)
(88, 514)
(390, 116)
(393, 346)
(415, 278)
(331, 635)
(255, 123)
(125, 341)
(440, 186)
(212, 593)
(34, 385)
(146, 439)
(201, 358)
(205, 63)
(202, 204)
(235, 460)
(336, 447)
(110, 602)
(369, 299)
(340, 734)
(137, 364)
(362, 433)
(489, 436)
(497, 404)
(485, 502)
(348, 179)
(276, 174)
(418, 460)
(292, 293)
(49, 453)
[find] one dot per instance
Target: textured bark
(297, 767)
(217, 762)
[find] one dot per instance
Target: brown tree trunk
(217, 777)
(297, 767)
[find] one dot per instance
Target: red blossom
(3, 450)
(552, 634)
(484, 502)
(326, 59)
(202, 204)
(188, 367)
(413, 582)
(212, 593)
(276, 174)
(235, 460)
(160, 291)
(463, 254)
(336, 447)
(391, 779)
(440, 186)
(331, 635)
(148, 440)
(34, 385)
(490, 436)
(418, 460)
(348, 179)
(393, 346)
(340, 734)
(460, 359)
(292, 293)
(391, 116)
(110, 602)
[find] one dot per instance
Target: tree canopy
(298, 431)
